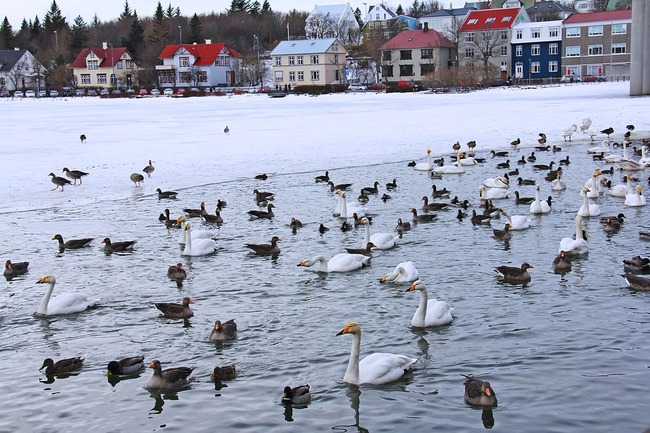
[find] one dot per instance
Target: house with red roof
(598, 43)
(413, 55)
(485, 39)
(107, 67)
(198, 65)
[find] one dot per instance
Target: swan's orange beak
(344, 331)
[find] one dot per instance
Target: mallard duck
(71, 244)
(149, 169)
(561, 263)
(176, 311)
(224, 331)
(111, 247)
(125, 366)
(62, 366)
(391, 185)
(170, 378)
(223, 373)
(14, 269)
(266, 249)
(612, 225)
(74, 175)
(297, 395)
(479, 392)
(513, 274)
(166, 194)
(59, 182)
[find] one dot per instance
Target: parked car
(91, 92)
(143, 92)
(572, 78)
(79, 92)
(356, 87)
(593, 78)
(168, 92)
(378, 86)
(42, 93)
(18, 94)
(406, 85)
(66, 91)
(116, 92)
(4, 93)
(54, 93)
(104, 92)
(30, 94)
(155, 92)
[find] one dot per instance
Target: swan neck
(421, 313)
(578, 227)
(344, 207)
(46, 300)
(352, 373)
(366, 238)
(188, 241)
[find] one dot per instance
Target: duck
(637, 199)
(370, 189)
(504, 234)
(497, 182)
(224, 372)
(61, 366)
(425, 166)
(607, 131)
(480, 219)
(322, 229)
(567, 134)
(262, 176)
(565, 161)
(197, 247)
(295, 224)
(111, 247)
(375, 369)
(531, 157)
(404, 272)
(577, 246)
(456, 168)
(479, 392)
(517, 222)
(522, 160)
(587, 209)
(14, 269)
(561, 263)
(504, 165)
(540, 206)
(620, 217)
(296, 395)
(74, 175)
(637, 264)
(64, 303)
(149, 169)
(636, 282)
(177, 272)
(515, 142)
(137, 179)
(271, 249)
(382, 241)
(523, 200)
(169, 378)
(385, 197)
(611, 225)
(366, 251)
(339, 263)
(439, 193)
(260, 214)
(522, 181)
(224, 331)
(548, 166)
(402, 226)
(176, 311)
(71, 244)
(82, 138)
(125, 366)
(196, 213)
(427, 207)
(423, 217)
(492, 193)
(166, 194)
(59, 181)
(513, 274)
(323, 178)
(214, 219)
(430, 312)
(460, 215)
(558, 184)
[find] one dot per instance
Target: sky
(16, 11)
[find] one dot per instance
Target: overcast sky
(106, 11)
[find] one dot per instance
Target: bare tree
(319, 26)
(486, 44)
(599, 5)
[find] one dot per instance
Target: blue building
(536, 50)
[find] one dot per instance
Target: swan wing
(380, 368)
(438, 313)
(68, 303)
(383, 241)
(346, 262)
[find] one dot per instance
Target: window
(553, 32)
(383, 24)
(426, 53)
(405, 55)
(505, 19)
(185, 77)
(504, 50)
(534, 67)
(300, 62)
(85, 78)
(473, 21)
(553, 66)
(594, 69)
(427, 68)
(387, 35)
(278, 76)
(405, 70)
(619, 48)
(535, 50)
(519, 34)
(489, 20)
(301, 76)
(315, 75)
(120, 64)
(376, 16)
(595, 30)
(371, 25)
(203, 77)
(504, 35)
(573, 51)
(278, 61)
(129, 64)
(469, 53)
(292, 76)
(113, 79)
(101, 78)
(553, 48)
(314, 59)
(536, 33)
(519, 50)
(573, 70)
(91, 55)
(595, 50)
(469, 37)
(336, 59)
(292, 60)
(619, 29)
(93, 64)
(387, 71)
(573, 32)
(184, 62)
(386, 56)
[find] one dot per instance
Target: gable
(493, 19)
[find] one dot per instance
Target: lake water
(563, 353)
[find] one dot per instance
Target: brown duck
(61, 366)
(176, 311)
(266, 249)
(514, 274)
(71, 244)
(479, 392)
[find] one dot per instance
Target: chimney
(425, 28)
(105, 46)
(208, 41)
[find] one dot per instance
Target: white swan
(345, 209)
(455, 168)
(468, 160)
(425, 166)
(591, 133)
(492, 193)
(575, 246)
(382, 241)
(630, 165)
(404, 272)
(377, 368)
(539, 206)
(517, 222)
(65, 303)
(603, 148)
(558, 184)
(196, 234)
(568, 133)
(622, 189)
(636, 199)
(616, 157)
(496, 182)
(339, 263)
(430, 312)
(645, 161)
(586, 124)
(594, 185)
(588, 209)
(197, 247)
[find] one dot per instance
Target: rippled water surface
(563, 353)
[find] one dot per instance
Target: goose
(111, 247)
(498, 153)
(71, 244)
(636, 282)
(429, 312)
(504, 234)
(425, 166)
(548, 166)
(540, 206)
(224, 331)
(515, 142)
(523, 200)
(196, 234)
(260, 214)
(125, 366)
(522, 181)
(427, 207)
(370, 189)
(558, 184)
(402, 226)
(636, 199)
(504, 165)
(531, 157)
(543, 148)
(561, 263)
(261, 196)
(271, 249)
(514, 172)
(61, 366)
(404, 272)
(215, 219)
(568, 133)
(65, 303)
(14, 269)
(553, 174)
(456, 168)
(136, 178)
(565, 161)
(149, 169)
(176, 311)
(198, 247)
(480, 219)
(225, 372)
(59, 181)
(196, 213)
(424, 217)
(471, 145)
(603, 148)
(345, 209)
(74, 175)
(166, 194)
(339, 263)
(377, 368)
(522, 160)
(169, 378)
(496, 182)
(479, 392)
(262, 176)
(323, 178)
(492, 193)
(637, 264)
(513, 274)
(608, 131)
(177, 272)
(588, 209)
(341, 186)
(439, 193)
(391, 185)
(297, 395)
(226, 129)
(577, 246)
(517, 222)
(366, 251)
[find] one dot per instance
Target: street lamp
(257, 47)
(113, 77)
(180, 35)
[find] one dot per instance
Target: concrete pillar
(638, 48)
(646, 48)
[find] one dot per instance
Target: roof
(303, 46)
(9, 58)
(551, 6)
(490, 19)
(205, 54)
(417, 39)
(458, 12)
(622, 15)
(335, 11)
(107, 57)
(390, 12)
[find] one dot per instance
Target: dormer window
(489, 20)
(473, 21)
(505, 19)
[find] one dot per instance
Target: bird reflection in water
(160, 397)
(354, 392)
(488, 418)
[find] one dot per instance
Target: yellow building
(107, 67)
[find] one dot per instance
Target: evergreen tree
(78, 35)
(357, 16)
(160, 28)
(126, 13)
(255, 8)
(134, 42)
(95, 22)
(266, 7)
(25, 27)
(6, 34)
(196, 30)
(54, 20)
(239, 6)
(35, 28)
(400, 10)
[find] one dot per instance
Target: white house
(333, 21)
(308, 62)
(445, 20)
(20, 70)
